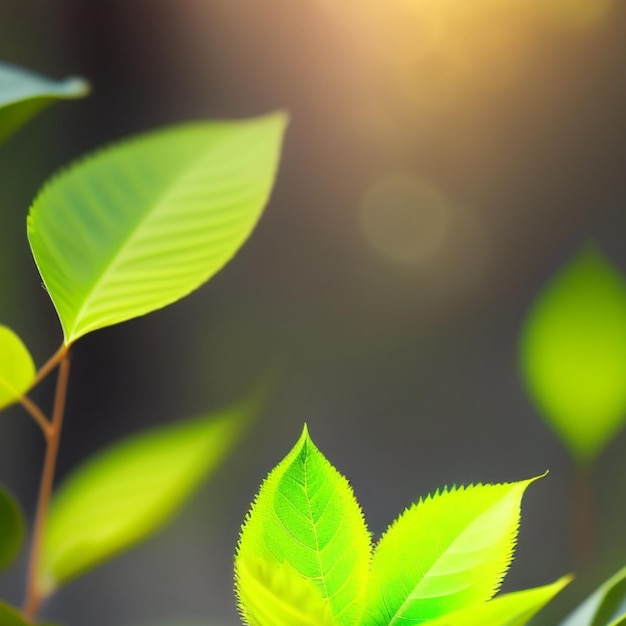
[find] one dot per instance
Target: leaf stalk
(34, 594)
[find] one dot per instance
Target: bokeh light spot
(403, 218)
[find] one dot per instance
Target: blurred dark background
(443, 160)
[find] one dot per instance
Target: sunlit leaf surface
(17, 370)
(304, 521)
(130, 490)
(141, 224)
(573, 353)
(604, 607)
(511, 609)
(23, 94)
(449, 550)
(11, 529)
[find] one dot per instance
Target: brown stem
(50, 364)
(37, 414)
(34, 594)
(583, 526)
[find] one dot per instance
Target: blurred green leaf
(23, 94)
(304, 548)
(141, 224)
(272, 593)
(510, 609)
(10, 616)
(17, 370)
(11, 528)
(573, 353)
(130, 490)
(604, 607)
(446, 552)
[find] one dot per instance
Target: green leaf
(11, 528)
(141, 224)
(10, 616)
(449, 550)
(275, 594)
(305, 522)
(17, 370)
(510, 609)
(573, 353)
(604, 607)
(23, 94)
(130, 490)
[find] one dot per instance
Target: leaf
(510, 609)
(306, 520)
(23, 94)
(17, 370)
(11, 528)
(573, 353)
(10, 616)
(130, 490)
(605, 604)
(275, 594)
(449, 550)
(143, 223)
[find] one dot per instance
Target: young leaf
(23, 94)
(605, 604)
(130, 490)
(305, 521)
(275, 594)
(448, 551)
(10, 616)
(11, 529)
(141, 224)
(17, 370)
(573, 353)
(510, 609)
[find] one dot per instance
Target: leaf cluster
(305, 554)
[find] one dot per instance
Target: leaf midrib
(313, 524)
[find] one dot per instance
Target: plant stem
(34, 594)
(583, 525)
(37, 414)
(50, 364)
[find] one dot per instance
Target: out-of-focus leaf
(604, 607)
(130, 490)
(275, 594)
(573, 353)
(305, 528)
(17, 370)
(23, 94)
(448, 551)
(11, 529)
(10, 616)
(143, 223)
(510, 609)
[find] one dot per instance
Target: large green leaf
(510, 609)
(305, 522)
(11, 528)
(604, 607)
(573, 353)
(23, 94)
(141, 224)
(130, 490)
(449, 550)
(17, 370)
(10, 616)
